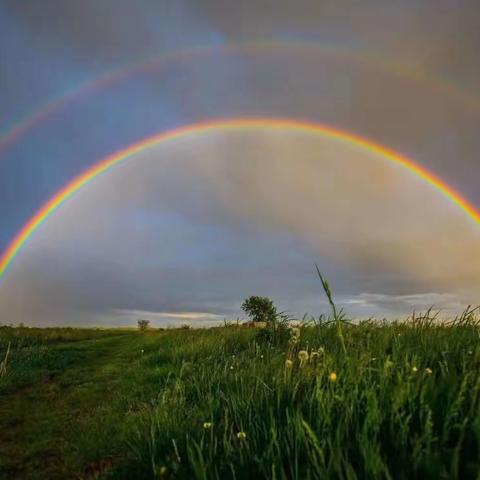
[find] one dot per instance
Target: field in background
(228, 402)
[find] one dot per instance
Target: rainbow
(43, 112)
(225, 125)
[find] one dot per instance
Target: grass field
(401, 400)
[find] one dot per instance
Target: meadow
(374, 400)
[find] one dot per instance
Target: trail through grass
(50, 428)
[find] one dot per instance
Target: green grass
(124, 404)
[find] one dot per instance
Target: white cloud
(148, 315)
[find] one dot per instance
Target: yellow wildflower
(333, 377)
(207, 425)
(241, 435)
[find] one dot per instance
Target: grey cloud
(440, 37)
(432, 36)
(198, 224)
(393, 306)
(111, 31)
(433, 124)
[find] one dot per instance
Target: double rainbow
(225, 125)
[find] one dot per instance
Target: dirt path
(42, 425)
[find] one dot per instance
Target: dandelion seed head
(303, 355)
(295, 332)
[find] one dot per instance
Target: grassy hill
(227, 402)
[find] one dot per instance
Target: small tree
(143, 325)
(260, 309)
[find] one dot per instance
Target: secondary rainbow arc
(226, 124)
(44, 111)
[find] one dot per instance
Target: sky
(183, 231)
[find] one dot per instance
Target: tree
(260, 309)
(143, 325)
